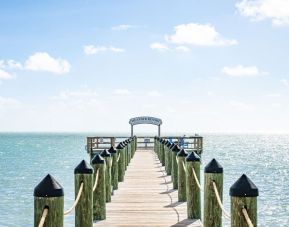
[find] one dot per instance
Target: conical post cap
(48, 187)
(119, 146)
(83, 168)
(193, 157)
(213, 167)
(97, 159)
(105, 153)
(112, 150)
(176, 148)
(182, 153)
(244, 187)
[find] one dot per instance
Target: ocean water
(25, 158)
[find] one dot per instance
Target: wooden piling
(181, 156)
(167, 145)
(49, 194)
(99, 194)
(121, 162)
(163, 152)
(174, 173)
(114, 168)
(243, 196)
(83, 173)
(212, 210)
(193, 161)
(108, 161)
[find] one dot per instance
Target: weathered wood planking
(146, 197)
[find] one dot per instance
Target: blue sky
(201, 66)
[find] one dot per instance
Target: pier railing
(95, 184)
(98, 143)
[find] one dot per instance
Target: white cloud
(122, 27)
(159, 46)
(154, 93)
(285, 82)
(275, 10)
(242, 71)
(2, 65)
(5, 75)
(42, 61)
(91, 49)
(198, 35)
(182, 48)
(12, 64)
(122, 92)
(274, 95)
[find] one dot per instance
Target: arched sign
(145, 120)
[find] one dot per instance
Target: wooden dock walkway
(146, 197)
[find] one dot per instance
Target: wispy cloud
(121, 92)
(91, 49)
(275, 10)
(183, 49)
(159, 46)
(154, 93)
(122, 27)
(8, 103)
(285, 82)
(43, 62)
(198, 35)
(5, 75)
(242, 71)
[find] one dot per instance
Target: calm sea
(25, 158)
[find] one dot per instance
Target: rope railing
(43, 217)
(247, 218)
(184, 167)
(76, 200)
(226, 214)
(196, 179)
(96, 180)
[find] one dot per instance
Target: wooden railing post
(167, 155)
(108, 161)
(174, 173)
(243, 196)
(212, 210)
(48, 194)
(99, 194)
(114, 168)
(121, 161)
(182, 154)
(193, 162)
(163, 152)
(83, 174)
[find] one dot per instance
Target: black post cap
(83, 168)
(112, 150)
(176, 148)
(213, 167)
(182, 153)
(105, 153)
(168, 143)
(172, 145)
(163, 141)
(244, 187)
(48, 187)
(97, 159)
(119, 146)
(193, 157)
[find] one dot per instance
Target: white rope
(76, 201)
(226, 214)
(96, 180)
(197, 180)
(248, 220)
(118, 157)
(43, 217)
(184, 167)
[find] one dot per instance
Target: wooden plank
(146, 197)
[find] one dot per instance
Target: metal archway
(145, 120)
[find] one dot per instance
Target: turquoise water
(26, 158)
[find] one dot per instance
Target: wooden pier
(146, 197)
(146, 181)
